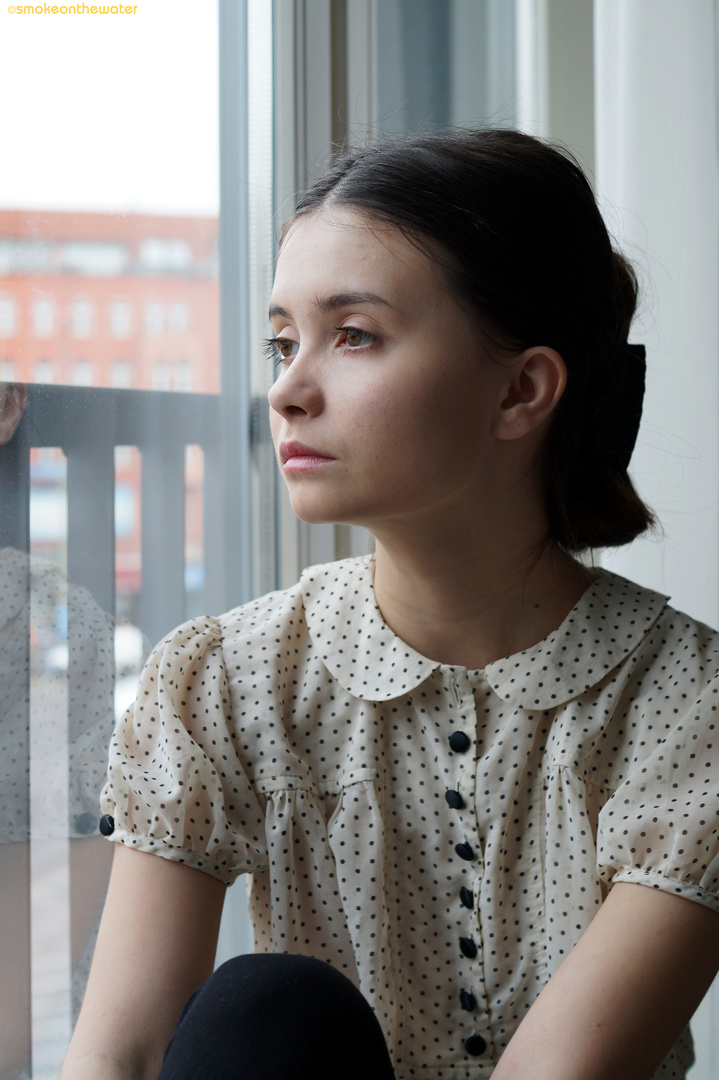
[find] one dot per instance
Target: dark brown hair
(515, 227)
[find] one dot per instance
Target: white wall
(657, 168)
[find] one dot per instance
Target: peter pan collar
(606, 624)
(371, 662)
(353, 640)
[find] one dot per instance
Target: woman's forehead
(352, 248)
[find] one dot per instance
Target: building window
(81, 318)
(154, 319)
(96, 259)
(82, 373)
(121, 375)
(160, 256)
(24, 256)
(184, 376)
(43, 318)
(44, 372)
(8, 371)
(120, 319)
(8, 316)
(161, 376)
(179, 318)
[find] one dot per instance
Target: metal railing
(56, 719)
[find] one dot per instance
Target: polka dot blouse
(441, 835)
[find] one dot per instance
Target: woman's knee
(260, 985)
(271, 1015)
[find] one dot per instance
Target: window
(158, 255)
(154, 319)
(124, 548)
(179, 318)
(19, 256)
(121, 376)
(8, 316)
(43, 318)
(120, 319)
(94, 259)
(44, 372)
(82, 373)
(184, 376)
(81, 318)
(161, 376)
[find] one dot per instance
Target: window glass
(178, 318)
(165, 255)
(154, 319)
(43, 372)
(120, 319)
(445, 63)
(8, 316)
(95, 259)
(184, 376)
(121, 376)
(82, 316)
(161, 376)
(43, 317)
(109, 304)
(82, 373)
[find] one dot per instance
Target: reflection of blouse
(60, 705)
(441, 835)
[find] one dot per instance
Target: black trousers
(277, 1017)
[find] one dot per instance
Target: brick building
(129, 301)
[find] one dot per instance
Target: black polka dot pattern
(299, 739)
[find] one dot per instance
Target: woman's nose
(296, 391)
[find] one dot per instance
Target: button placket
(461, 743)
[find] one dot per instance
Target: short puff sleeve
(175, 784)
(661, 826)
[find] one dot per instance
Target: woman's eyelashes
(354, 338)
(351, 338)
(280, 349)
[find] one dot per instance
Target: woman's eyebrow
(327, 304)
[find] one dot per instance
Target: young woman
(474, 780)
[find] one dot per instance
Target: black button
(454, 799)
(466, 897)
(468, 947)
(467, 1000)
(459, 741)
(475, 1045)
(464, 851)
(86, 824)
(107, 825)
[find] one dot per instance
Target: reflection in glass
(90, 453)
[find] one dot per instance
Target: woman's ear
(537, 378)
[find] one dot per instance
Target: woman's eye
(279, 349)
(354, 338)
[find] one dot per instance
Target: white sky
(110, 112)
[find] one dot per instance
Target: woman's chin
(314, 512)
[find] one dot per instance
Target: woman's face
(382, 408)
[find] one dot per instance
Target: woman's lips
(296, 457)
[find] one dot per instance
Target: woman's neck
(472, 602)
